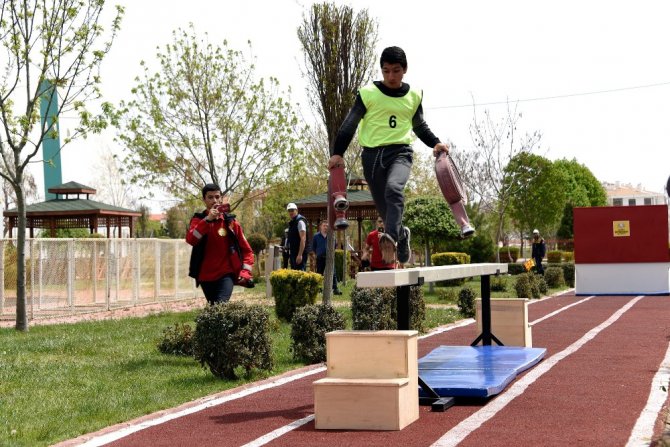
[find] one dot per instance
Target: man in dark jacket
(297, 238)
(538, 252)
(320, 247)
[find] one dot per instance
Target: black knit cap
(393, 55)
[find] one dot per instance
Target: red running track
(603, 354)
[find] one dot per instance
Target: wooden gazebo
(70, 210)
(361, 207)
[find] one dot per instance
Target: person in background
(284, 249)
(297, 238)
(372, 252)
(221, 256)
(538, 251)
(320, 246)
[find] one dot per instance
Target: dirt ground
(140, 310)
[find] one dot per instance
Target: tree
(203, 118)
(581, 189)
(57, 44)
(430, 220)
(540, 193)
(111, 187)
(496, 143)
(338, 47)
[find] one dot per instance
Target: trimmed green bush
(450, 258)
(569, 274)
(530, 285)
(308, 331)
(177, 340)
(554, 256)
(448, 295)
(258, 242)
(554, 277)
(293, 289)
(466, 302)
(233, 335)
(509, 254)
(515, 269)
(374, 309)
(338, 263)
(568, 256)
(499, 283)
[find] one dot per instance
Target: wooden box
(365, 404)
(509, 321)
(372, 381)
(372, 354)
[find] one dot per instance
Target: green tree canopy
(582, 187)
(430, 220)
(540, 192)
(202, 117)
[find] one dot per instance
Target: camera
(223, 208)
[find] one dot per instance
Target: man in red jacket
(372, 252)
(221, 256)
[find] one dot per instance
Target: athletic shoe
(337, 292)
(467, 231)
(404, 249)
(388, 248)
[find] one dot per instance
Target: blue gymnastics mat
(475, 371)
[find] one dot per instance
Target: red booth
(622, 250)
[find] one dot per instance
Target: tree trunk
(21, 311)
(330, 265)
(431, 285)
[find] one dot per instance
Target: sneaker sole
(388, 250)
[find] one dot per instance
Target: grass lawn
(61, 381)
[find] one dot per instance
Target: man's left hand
(440, 147)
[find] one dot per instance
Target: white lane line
(476, 420)
(113, 436)
(643, 430)
(556, 312)
(258, 442)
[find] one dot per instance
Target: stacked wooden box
(509, 321)
(371, 383)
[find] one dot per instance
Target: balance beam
(402, 279)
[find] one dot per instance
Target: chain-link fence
(70, 276)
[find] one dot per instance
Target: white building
(620, 194)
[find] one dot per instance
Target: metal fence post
(136, 271)
(176, 268)
(157, 269)
(108, 285)
(2, 277)
(94, 272)
(70, 274)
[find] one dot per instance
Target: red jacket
(220, 256)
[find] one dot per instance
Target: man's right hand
(336, 161)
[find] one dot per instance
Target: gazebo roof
(72, 206)
(72, 188)
(361, 206)
(66, 212)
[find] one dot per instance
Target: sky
(592, 76)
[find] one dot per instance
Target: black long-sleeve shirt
(348, 128)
